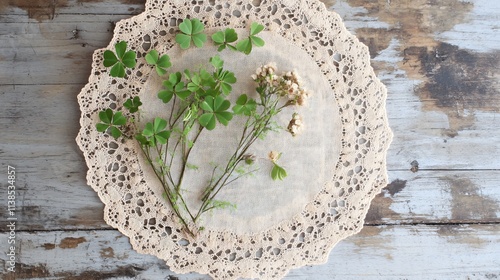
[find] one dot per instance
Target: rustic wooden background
(441, 220)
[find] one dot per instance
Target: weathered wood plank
(42, 10)
(438, 197)
(55, 52)
(387, 252)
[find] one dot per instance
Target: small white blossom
(295, 124)
(273, 156)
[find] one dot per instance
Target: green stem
(166, 188)
(186, 158)
(244, 144)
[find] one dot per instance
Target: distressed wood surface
(439, 59)
(377, 252)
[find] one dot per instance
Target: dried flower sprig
(289, 85)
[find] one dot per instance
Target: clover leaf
(244, 105)
(195, 84)
(278, 172)
(110, 122)
(155, 132)
(224, 79)
(191, 31)
(174, 85)
(161, 63)
(227, 78)
(215, 109)
(120, 60)
(142, 139)
(133, 104)
(224, 38)
(202, 83)
(245, 45)
(217, 62)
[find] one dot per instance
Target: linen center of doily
(309, 157)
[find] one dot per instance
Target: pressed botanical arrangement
(199, 102)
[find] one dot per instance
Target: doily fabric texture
(336, 165)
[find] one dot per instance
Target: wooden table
(441, 220)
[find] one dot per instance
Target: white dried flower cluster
(292, 84)
(289, 85)
(295, 124)
(266, 74)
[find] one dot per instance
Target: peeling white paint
(414, 201)
(354, 18)
(480, 32)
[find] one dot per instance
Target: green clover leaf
(278, 172)
(195, 84)
(133, 104)
(191, 31)
(217, 62)
(155, 132)
(174, 85)
(245, 46)
(224, 38)
(202, 83)
(120, 60)
(227, 78)
(215, 109)
(224, 78)
(110, 122)
(142, 140)
(161, 63)
(244, 106)
(256, 28)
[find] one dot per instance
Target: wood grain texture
(380, 252)
(439, 60)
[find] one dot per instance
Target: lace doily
(338, 164)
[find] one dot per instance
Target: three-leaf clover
(120, 60)
(111, 121)
(174, 85)
(244, 105)
(191, 31)
(245, 45)
(132, 104)
(224, 38)
(278, 172)
(202, 83)
(215, 109)
(161, 63)
(195, 84)
(155, 132)
(217, 62)
(225, 79)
